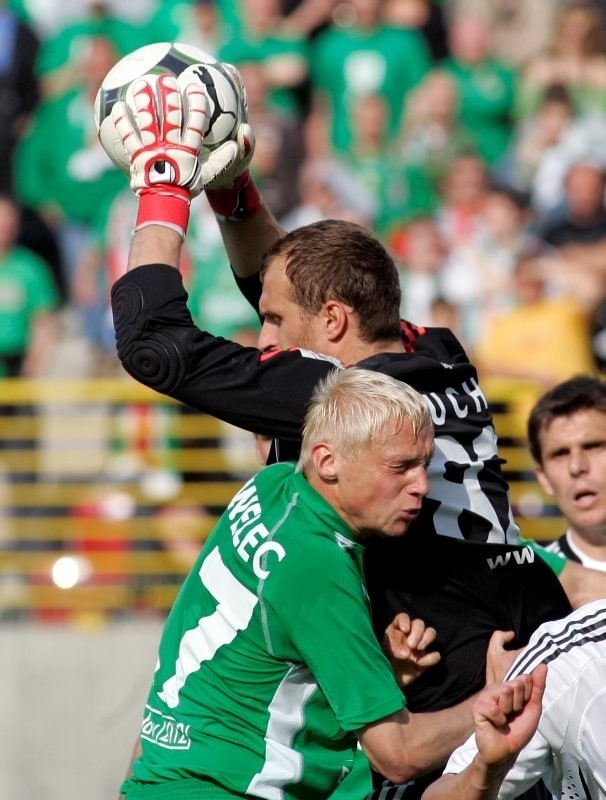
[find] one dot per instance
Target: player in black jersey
(329, 293)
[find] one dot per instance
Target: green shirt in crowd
(27, 288)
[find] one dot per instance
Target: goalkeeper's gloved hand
(224, 173)
(162, 133)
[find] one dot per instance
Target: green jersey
(268, 662)
(27, 290)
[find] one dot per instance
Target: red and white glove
(162, 133)
(224, 174)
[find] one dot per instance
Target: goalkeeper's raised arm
(162, 131)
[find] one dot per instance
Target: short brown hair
(339, 260)
(580, 393)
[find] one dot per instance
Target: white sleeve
(534, 761)
(462, 756)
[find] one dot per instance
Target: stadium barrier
(108, 489)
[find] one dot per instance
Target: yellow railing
(107, 491)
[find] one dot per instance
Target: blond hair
(352, 407)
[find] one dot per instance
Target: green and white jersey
(268, 661)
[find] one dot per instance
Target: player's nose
(267, 340)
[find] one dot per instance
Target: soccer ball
(188, 64)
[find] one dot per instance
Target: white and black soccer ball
(188, 64)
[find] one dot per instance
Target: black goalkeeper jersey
(160, 346)
(459, 566)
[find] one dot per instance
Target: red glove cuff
(237, 203)
(164, 205)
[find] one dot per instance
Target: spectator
(581, 142)
(477, 275)
(306, 18)
(463, 192)
(543, 339)
(399, 191)
(583, 220)
(427, 17)
(328, 190)
(64, 173)
(521, 29)
(574, 59)
(567, 438)
(281, 54)
(578, 236)
(420, 252)
(18, 87)
(214, 300)
(486, 86)
(445, 314)
(63, 52)
(359, 55)
(28, 300)
(279, 151)
(99, 263)
(431, 135)
(533, 163)
(200, 23)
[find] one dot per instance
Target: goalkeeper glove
(228, 184)
(162, 133)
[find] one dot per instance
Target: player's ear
(323, 458)
(335, 317)
(544, 481)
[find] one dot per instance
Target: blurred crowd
(470, 136)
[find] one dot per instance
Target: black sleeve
(160, 346)
(250, 288)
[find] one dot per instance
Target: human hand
(162, 132)
(405, 643)
(498, 659)
(230, 189)
(220, 168)
(506, 715)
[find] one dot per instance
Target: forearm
(155, 244)
(433, 736)
(247, 240)
(406, 746)
(479, 781)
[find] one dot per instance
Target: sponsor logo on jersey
(525, 555)
(164, 731)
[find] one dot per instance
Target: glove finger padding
(220, 168)
(162, 132)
